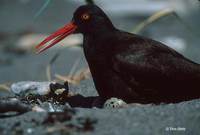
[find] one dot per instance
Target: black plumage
(132, 67)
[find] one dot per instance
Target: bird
(127, 66)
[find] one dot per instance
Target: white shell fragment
(114, 103)
(38, 109)
(59, 91)
(30, 87)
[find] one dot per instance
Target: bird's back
(154, 70)
(124, 65)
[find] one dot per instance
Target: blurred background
(24, 23)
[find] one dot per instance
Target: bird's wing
(148, 63)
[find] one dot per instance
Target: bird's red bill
(56, 37)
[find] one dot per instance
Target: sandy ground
(17, 65)
(181, 118)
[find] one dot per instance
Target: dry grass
(4, 87)
(153, 18)
(48, 72)
(74, 76)
(48, 68)
(44, 6)
(75, 79)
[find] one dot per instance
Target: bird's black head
(87, 19)
(90, 19)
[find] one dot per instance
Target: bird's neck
(99, 32)
(97, 46)
(97, 38)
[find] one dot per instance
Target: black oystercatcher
(128, 66)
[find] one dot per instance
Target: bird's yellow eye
(85, 16)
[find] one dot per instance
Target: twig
(152, 19)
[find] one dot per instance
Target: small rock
(30, 87)
(30, 130)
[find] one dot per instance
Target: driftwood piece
(13, 106)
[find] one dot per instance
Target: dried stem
(152, 19)
(48, 72)
(75, 79)
(75, 65)
(48, 68)
(44, 6)
(4, 87)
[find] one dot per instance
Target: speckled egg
(114, 103)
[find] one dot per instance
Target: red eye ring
(85, 16)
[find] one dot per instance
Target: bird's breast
(95, 51)
(96, 57)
